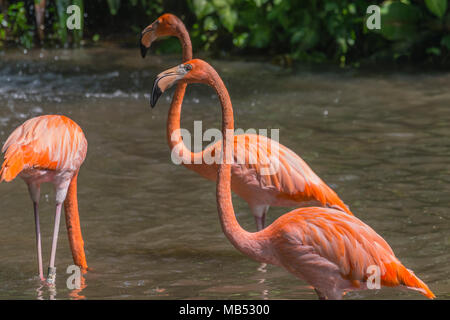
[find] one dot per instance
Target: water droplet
(37, 110)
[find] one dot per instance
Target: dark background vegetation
(314, 31)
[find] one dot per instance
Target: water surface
(381, 140)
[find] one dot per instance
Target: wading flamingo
(294, 184)
(332, 251)
(49, 148)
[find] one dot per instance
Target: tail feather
(410, 280)
(333, 201)
(397, 274)
(13, 164)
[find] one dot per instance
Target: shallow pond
(381, 140)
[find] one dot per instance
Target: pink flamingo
(329, 249)
(51, 149)
(294, 184)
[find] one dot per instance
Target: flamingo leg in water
(38, 239)
(51, 269)
(35, 192)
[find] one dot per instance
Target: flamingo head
(165, 25)
(193, 71)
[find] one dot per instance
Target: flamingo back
(50, 142)
(279, 169)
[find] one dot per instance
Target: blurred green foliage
(15, 21)
(285, 30)
(324, 30)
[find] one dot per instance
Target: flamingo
(294, 185)
(327, 248)
(49, 148)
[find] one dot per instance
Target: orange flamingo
(294, 184)
(49, 148)
(329, 249)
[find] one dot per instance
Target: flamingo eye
(188, 67)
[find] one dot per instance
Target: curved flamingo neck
(186, 45)
(174, 118)
(73, 224)
(251, 244)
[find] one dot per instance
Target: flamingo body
(42, 148)
(333, 251)
(49, 148)
(290, 183)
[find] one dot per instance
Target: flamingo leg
(259, 223)
(320, 295)
(38, 240)
(259, 212)
(51, 269)
(35, 193)
(266, 209)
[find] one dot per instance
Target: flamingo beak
(144, 49)
(147, 37)
(164, 81)
(156, 93)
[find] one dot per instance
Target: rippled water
(381, 140)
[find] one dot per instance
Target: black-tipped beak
(144, 49)
(164, 81)
(156, 93)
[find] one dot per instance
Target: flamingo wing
(50, 142)
(274, 167)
